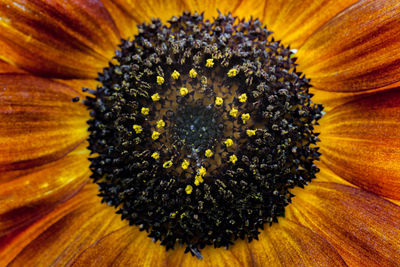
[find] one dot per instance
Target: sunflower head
(201, 129)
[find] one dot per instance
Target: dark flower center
(201, 129)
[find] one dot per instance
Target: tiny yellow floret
(233, 159)
(185, 164)
(155, 135)
(245, 117)
(175, 75)
(145, 111)
(160, 80)
(232, 72)
(251, 132)
(209, 63)
(137, 128)
(219, 101)
(243, 98)
(233, 112)
(228, 142)
(198, 180)
(172, 215)
(155, 155)
(184, 91)
(192, 73)
(202, 171)
(209, 153)
(160, 124)
(167, 164)
(188, 190)
(155, 97)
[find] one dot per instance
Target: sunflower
(51, 211)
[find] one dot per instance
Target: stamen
(137, 128)
(209, 153)
(209, 63)
(155, 155)
(160, 124)
(242, 98)
(160, 80)
(185, 164)
(232, 72)
(228, 142)
(167, 164)
(233, 159)
(188, 191)
(219, 101)
(155, 97)
(145, 111)
(184, 91)
(233, 112)
(155, 135)
(192, 73)
(175, 75)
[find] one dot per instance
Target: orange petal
(357, 50)
(13, 244)
(293, 21)
(283, 244)
(247, 9)
(327, 175)
(69, 236)
(290, 244)
(124, 247)
(57, 38)
(361, 141)
(38, 121)
(143, 11)
(364, 228)
(237, 255)
(330, 100)
(8, 68)
(34, 193)
(125, 22)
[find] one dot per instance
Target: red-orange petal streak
(237, 255)
(57, 38)
(364, 228)
(361, 142)
(59, 244)
(143, 11)
(330, 100)
(357, 50)
(290, 244)
(286, 244)
(34, 193)
(39, 122)
(13, 244)
(124, 247)
(8, 68)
